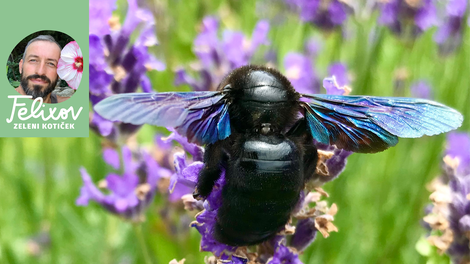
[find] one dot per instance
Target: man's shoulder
(61, 94)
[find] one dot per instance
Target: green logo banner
(63, 109)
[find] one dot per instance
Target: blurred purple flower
(111, 156)
(458, 146)
(300, 69)
(327, 15)
(312, 47)
(99, 13)
(421, 89)
(408, 18)
(130, 193)
(338, 82)
(163, 152)
(450, 32)
(100, 125)
(301, 73)
(116, 66)
(217, 57)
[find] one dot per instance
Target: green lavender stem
(143, 245)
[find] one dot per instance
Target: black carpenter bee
(261, 132)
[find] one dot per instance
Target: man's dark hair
(41, 38)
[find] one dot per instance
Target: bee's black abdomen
(261, 192)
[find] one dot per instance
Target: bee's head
(259, 96)
(258, 83)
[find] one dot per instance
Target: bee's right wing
(202, 117)
(370, 124)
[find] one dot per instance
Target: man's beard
(37, 90)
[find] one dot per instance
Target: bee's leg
(214, 159)
(301, 131)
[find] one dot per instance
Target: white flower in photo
(70, 67)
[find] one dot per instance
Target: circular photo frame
(46, 64)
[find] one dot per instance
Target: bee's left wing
(202, 117)
(370, 124)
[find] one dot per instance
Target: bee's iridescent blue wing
(370, 124)
(200, 116)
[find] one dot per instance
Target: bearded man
(38, 68)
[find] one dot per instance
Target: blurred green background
(380, 197)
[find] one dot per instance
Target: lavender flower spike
(300, 69)
(116, 66)
(327, 15)
(219, 56)
(284, 254)
(129, 196)
(301, 73)
(458, 147)
(449, 217)
(421, 89)
(449, 34)
(406, 18)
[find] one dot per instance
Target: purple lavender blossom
(300, 69)
(449, 217)
(338, 83)
(327, 15)
(184, 179)
(111, 156)
(332, 162)
(196, 151)
(301, 73)
(312, 47)
(421, 89)
(458, 146)
(305, 234)
(284, 254)
(449, 34)
(116, 66)
(340, 71)
(459, 183)
(130, 193)
(408, 18)
(99, 13)
(217, 57)
(206, 219)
